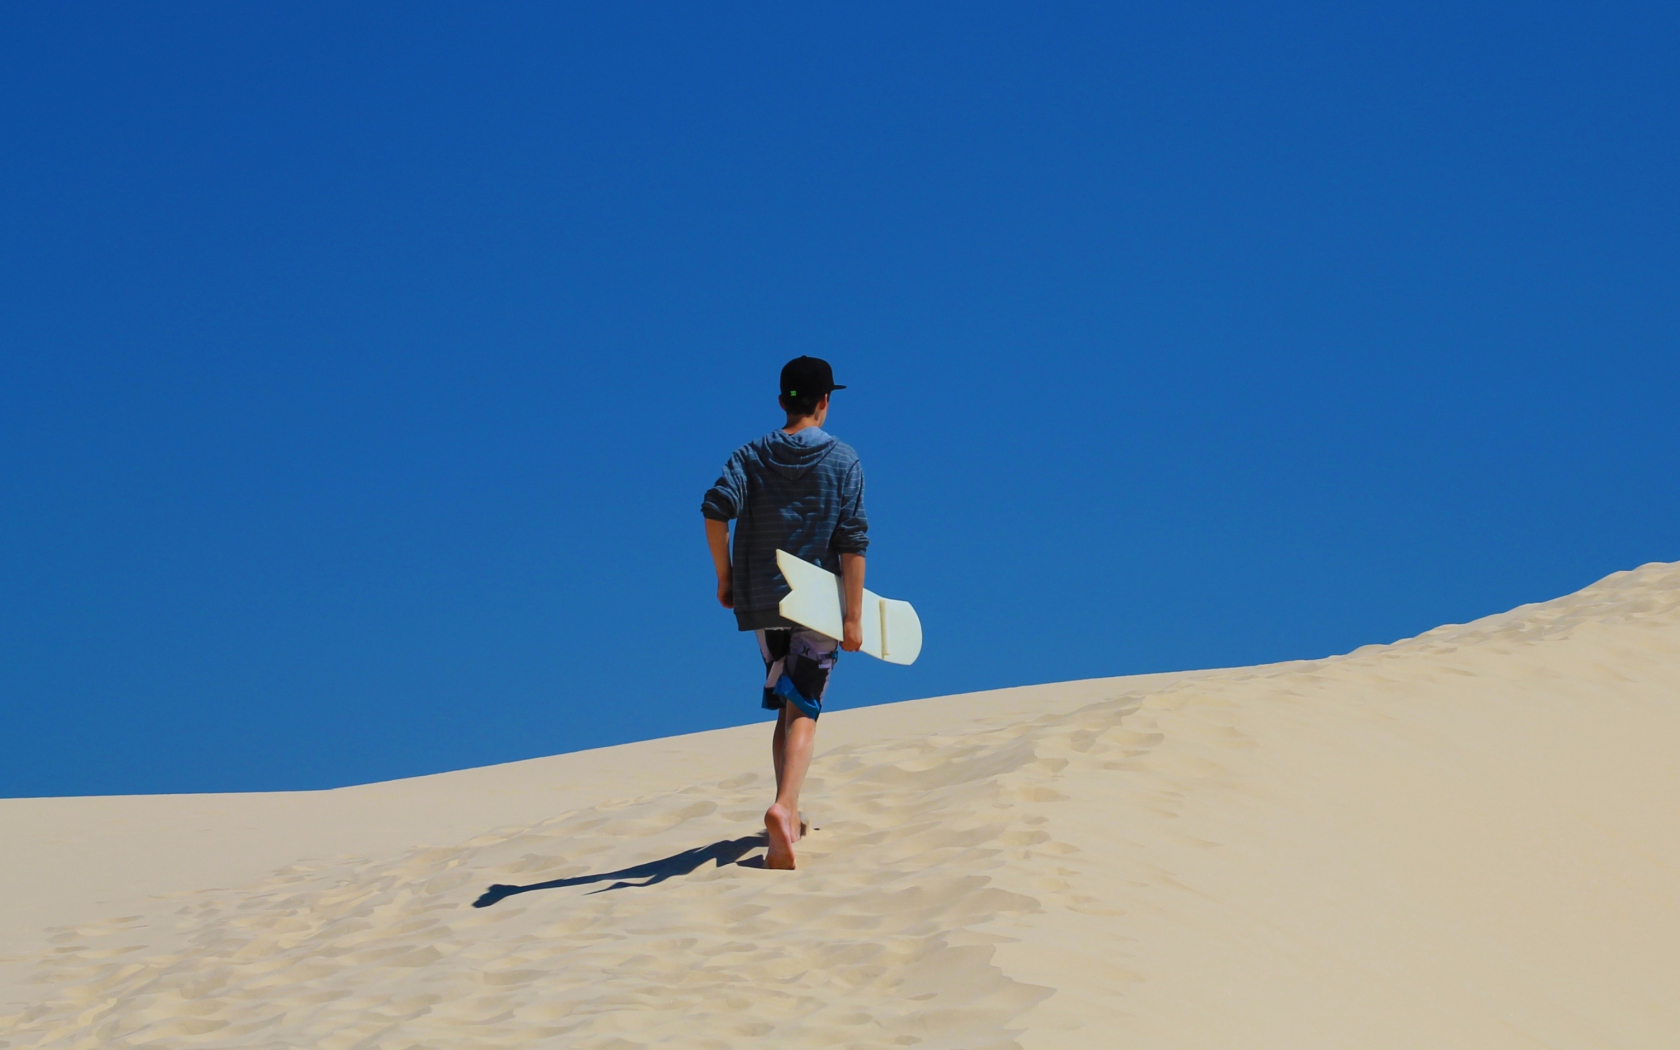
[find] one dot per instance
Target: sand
(1466, 839)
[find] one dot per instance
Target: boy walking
(799, 490)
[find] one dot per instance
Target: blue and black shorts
(796, 667)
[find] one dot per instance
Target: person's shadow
(729, 851)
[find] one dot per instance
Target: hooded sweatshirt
(801, 493)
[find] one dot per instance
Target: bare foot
(779, 829)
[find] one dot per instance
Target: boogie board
(891, 629)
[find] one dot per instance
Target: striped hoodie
(802, 493)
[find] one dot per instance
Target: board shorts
(796, 667)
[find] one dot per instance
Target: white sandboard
(891, 629)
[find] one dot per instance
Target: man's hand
(851, 576)
(853, 631)
(717, 540)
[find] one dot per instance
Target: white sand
(1468, 839)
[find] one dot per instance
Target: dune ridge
(1468, 838)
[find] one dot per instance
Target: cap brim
(838, 386)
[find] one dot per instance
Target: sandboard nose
(901, 632)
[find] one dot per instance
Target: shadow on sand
(729, 851)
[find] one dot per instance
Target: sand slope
(1467, 839)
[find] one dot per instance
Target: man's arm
(717, 538)
(851, 573)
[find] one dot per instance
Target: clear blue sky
(361, 368)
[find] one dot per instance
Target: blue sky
(361, 369)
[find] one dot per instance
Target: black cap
(808, 377)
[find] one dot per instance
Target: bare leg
(778, 745)
(781, 821)
(778, 752)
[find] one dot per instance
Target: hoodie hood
(793, 455)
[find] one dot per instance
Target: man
(799, 490)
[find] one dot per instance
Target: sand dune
(1467, 839)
